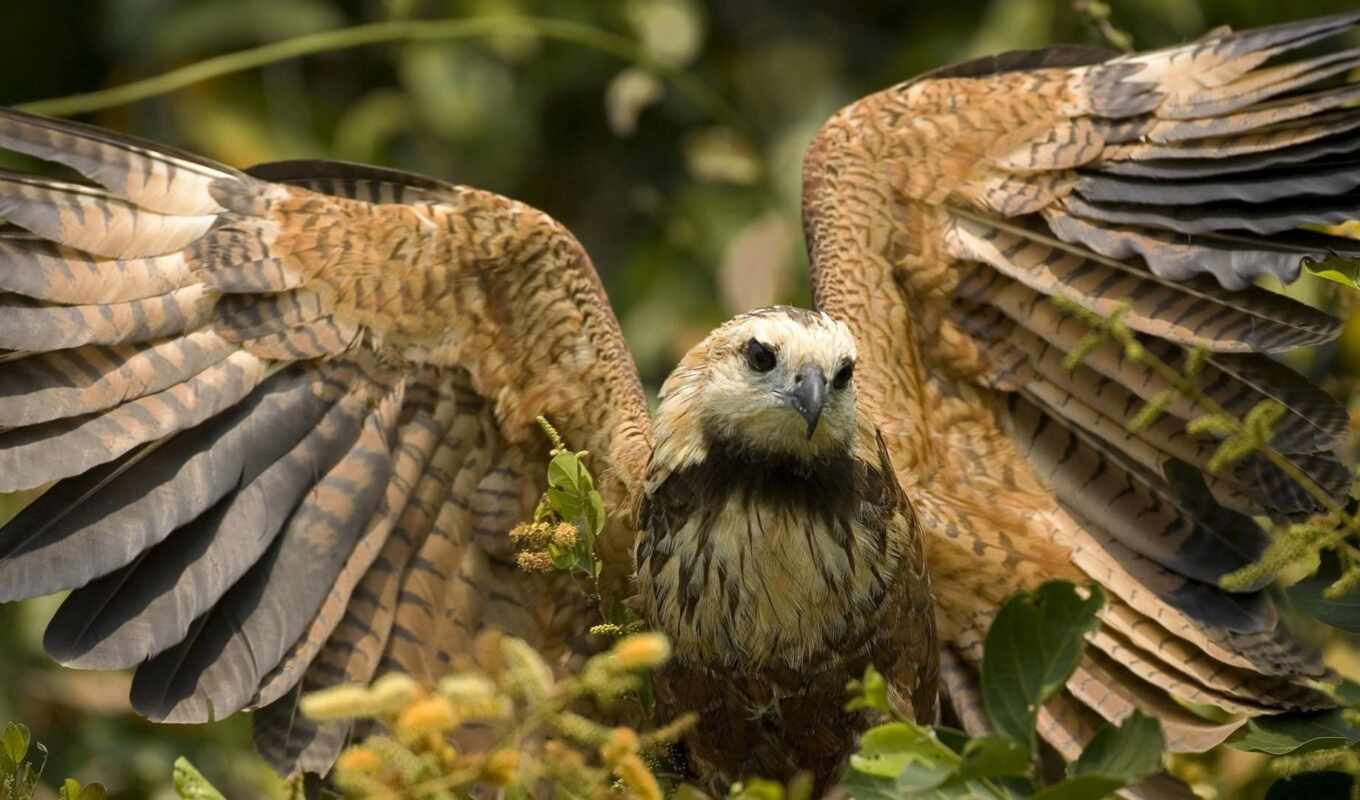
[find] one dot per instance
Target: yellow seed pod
(641, 651)
(527, 671)
(468, 688)
(359, 760)
(640, 781)
(429, 715)
(394, 691)
(534, 561)
(338, 702)
(621, 742)
(500, 768)
(564, 534)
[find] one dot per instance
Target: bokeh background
(686, 198)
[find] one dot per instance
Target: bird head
(777, 379)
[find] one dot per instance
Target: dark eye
(759, 356)
(843, 375)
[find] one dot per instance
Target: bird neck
(752, 560)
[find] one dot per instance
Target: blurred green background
(690, 213)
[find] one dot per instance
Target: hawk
(289, 411)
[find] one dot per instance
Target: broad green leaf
(887, 751)
(190, 783)
(1081, 787)
(1285, 733)
(1032, 648)
(1130, 752)
(993, 757)
(70, 789)
(564, 472)
(595, 512)
(15, 740)
(567, 504)
(1344, 271)
(1308, 596)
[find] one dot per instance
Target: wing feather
(943, 214)
(270, 398)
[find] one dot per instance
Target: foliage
(537, 733)
(19, 774)
(1034, 644)
(561, 537)
(691, 215)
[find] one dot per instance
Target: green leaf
(190, 783)
(595, 513)
(1130, 752)
(869, 692)
(1285, 733)
(1308, 596)
(94, 791)
(1081, 787)
(1345, 271)
(564, 472)
(993, 757)
(1032, 648)
(70, 789)
(888, 751)
(15, 740)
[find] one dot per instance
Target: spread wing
(944, 218)
(290, 417)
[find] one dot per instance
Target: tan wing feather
(310, 358)
(940, 216)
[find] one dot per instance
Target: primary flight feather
(290, 411)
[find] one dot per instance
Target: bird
(287, 413)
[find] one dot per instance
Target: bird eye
(843, 375)
(759, 356)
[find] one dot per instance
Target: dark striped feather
(149, 174)
(355, 181)
(1103, 407)
(1182, 529)
(32, 456)
(29, 326)
(92, 524)
(1263, 84)
(45, 270)
(356, 646)
(1196, 314)
(92, 220)
(425, 421)
(1238, 630)
(1234, 259)
(66, 383)
(149, 605)
(217, 670)
(1337, 147)
(1314, 422)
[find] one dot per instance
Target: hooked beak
(808, 395)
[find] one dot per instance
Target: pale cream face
(718, 389)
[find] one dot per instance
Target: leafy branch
(393, 31)
(561, 537)
(1033, 646)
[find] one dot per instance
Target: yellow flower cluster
(522, 727)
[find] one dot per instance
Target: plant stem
(382, 32)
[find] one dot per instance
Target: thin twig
(603, 41)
